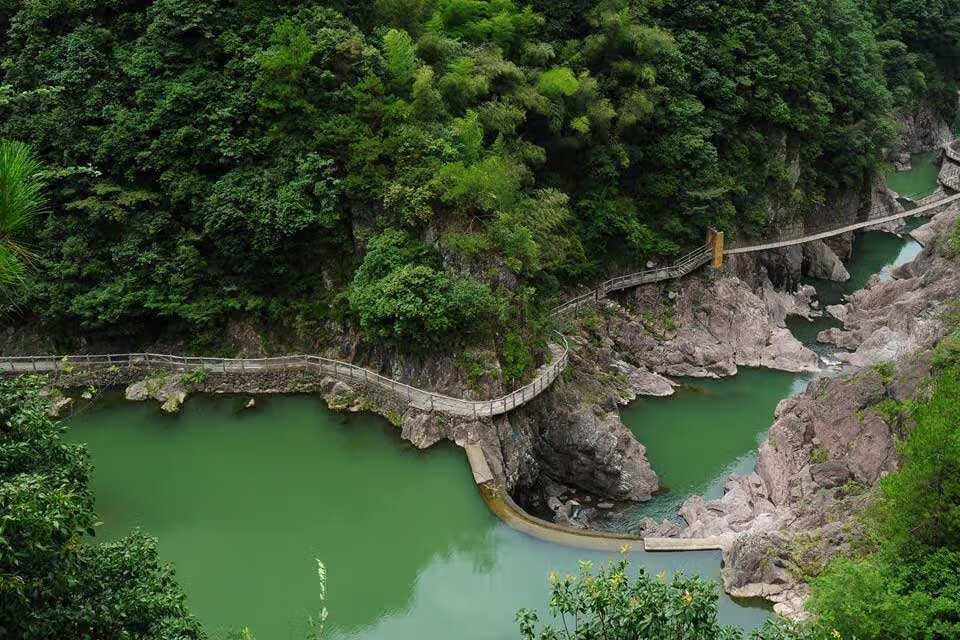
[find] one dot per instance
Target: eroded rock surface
(715, 327)
(822, 262)
(168, 390)
(887, 320)
(922, 128)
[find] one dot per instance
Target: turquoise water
(920, 181)
(710, 429)
(243, 502)
(704, 432)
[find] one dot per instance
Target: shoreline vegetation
(426, 175)
(390, 182)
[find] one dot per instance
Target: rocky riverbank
(829, 445)
(567, 454)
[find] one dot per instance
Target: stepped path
(713, 251)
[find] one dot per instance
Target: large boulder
(583, 447)
(822, 262)
(166, 389)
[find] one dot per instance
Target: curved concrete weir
(503, 506)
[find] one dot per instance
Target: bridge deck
(844, 229)
(429, 400)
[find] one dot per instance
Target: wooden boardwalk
(419, 398)
(432, 401)
(925, 209)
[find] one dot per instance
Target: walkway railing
(686, 264)
(429, 400)
(426, 400)
(797, 234)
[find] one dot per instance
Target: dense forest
(424, 170)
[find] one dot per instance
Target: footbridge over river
(496, 497)
(713, 251)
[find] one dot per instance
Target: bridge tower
(715, 243)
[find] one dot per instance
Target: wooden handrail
(422, 398)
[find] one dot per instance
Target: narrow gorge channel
(244, 500)
(710, 428)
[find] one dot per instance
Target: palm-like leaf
(21, 199)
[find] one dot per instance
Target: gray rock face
(717, 327)
(922, 128)
(642, 382)
(167, 389)
(821, 262)
(883, 202)
(939, 225)
(594, 452)
(838, 311)
(58, 404)
(829, 474)
(887, 320)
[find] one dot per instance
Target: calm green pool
(243, 501)
(920, 181)
(704, 432)
(711, 428)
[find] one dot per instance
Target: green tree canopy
(53, 583)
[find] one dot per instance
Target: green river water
(243, 501)
(920, 181)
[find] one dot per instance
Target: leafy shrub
(953, 241)
(516, 359)
(885, 369)
(818, 455)
(195, 377)
(420, 307)
(557, 82)
(609, 605)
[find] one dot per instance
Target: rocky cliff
(829, 445)
(922, 128)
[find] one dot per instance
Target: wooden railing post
(715, 242)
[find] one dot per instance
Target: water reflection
(707, 430)
(242, 502)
